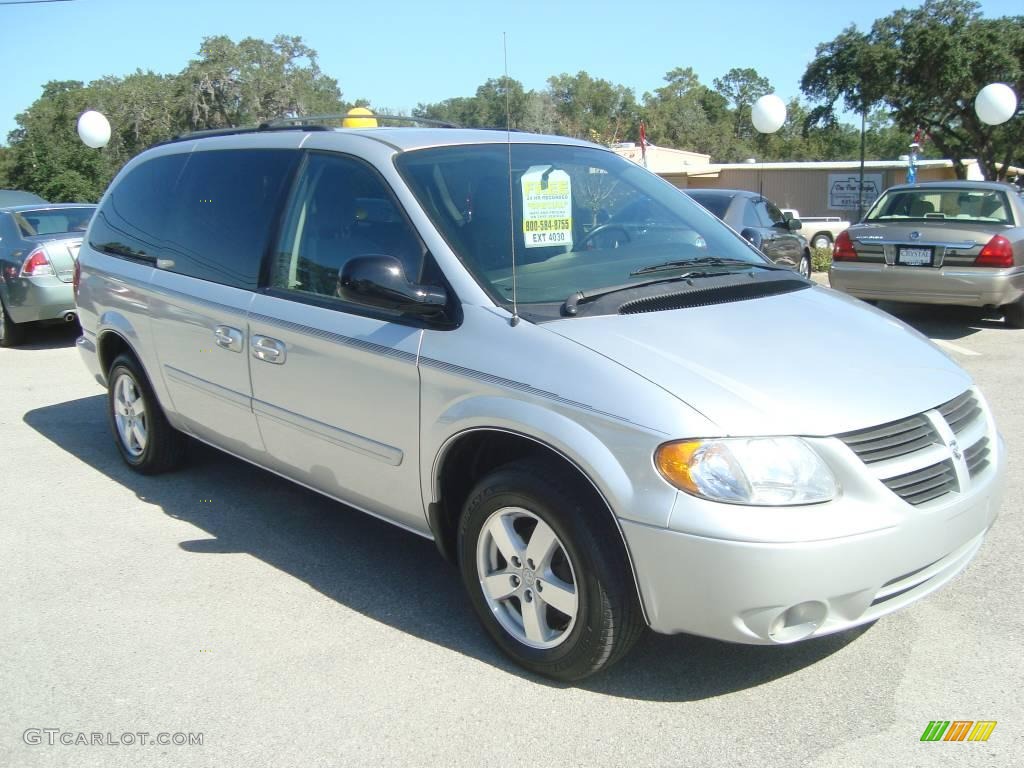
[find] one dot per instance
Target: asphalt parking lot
(289, 630)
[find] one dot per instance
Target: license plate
(914, 257)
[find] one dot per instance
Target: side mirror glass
(380, 281)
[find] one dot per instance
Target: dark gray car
(761, 222)
(38, 249)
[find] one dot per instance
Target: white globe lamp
(995, 104)
(93, 129)
(768, 113)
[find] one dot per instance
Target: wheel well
(477, 453)
(109, 346)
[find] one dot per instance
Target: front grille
(892, 440)
(960, 412)
(977, 457)
(926, 484)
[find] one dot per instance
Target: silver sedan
(38, 249)
(952, 242)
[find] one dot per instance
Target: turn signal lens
(843, 249)
(759, 471)
(998, 252)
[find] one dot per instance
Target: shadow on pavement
(945, 322)
(385, 573)
(48, 337)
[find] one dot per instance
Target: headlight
(762, 471)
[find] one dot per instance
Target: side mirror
(794, 224)
(752, 236)
(380, 281)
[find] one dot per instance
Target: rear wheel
(1014, 314)
(545, 577)
(11, 333)
(821, 240)
(147, 442)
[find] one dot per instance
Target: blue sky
(398, 53)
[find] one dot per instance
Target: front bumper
(966, 286)
(31, 299)
(771, 593)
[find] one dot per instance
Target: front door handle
(228, 337)
(268, 350)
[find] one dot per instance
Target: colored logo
(958, 730)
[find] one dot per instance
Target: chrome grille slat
(891, 440)
(960, 411)
(924, 484)
(977, 457)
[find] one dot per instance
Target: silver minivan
(600, 402)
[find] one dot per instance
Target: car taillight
(998, 252)
(76, 278)
(843, 249)
(36, 264)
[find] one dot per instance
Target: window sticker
(547, 207)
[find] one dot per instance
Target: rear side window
(222, 211)
(130, 222)
(208, 213)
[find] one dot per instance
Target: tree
(741, 88)
(252, 81)
(593, 108)
(926, 65)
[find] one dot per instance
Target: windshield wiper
(571, 305)
(716, 261)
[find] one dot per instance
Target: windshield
(584, 218)
(53, 221)
(975, 205)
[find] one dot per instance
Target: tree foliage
(926, 66)
(228, 84)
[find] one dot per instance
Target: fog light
(798, 621)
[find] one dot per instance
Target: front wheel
(821, 241)
(545, 573)
(11, 334)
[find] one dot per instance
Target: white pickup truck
(820, 231)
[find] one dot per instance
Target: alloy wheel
(130, 415)
(527, 577)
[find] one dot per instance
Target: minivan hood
(813, 362)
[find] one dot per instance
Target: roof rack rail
(286, 122)
(261, 128)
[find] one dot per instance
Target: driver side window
(339, 210)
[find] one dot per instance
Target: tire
(585, 572)
(147, 442)
(821, 240)
(11, 333)
(804, 267)
(1014, 314)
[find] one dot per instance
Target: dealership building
(819, 188)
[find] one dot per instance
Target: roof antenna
(511, 205)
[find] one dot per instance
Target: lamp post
(768, 114)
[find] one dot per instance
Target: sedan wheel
(11, 334)
(804, 268)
